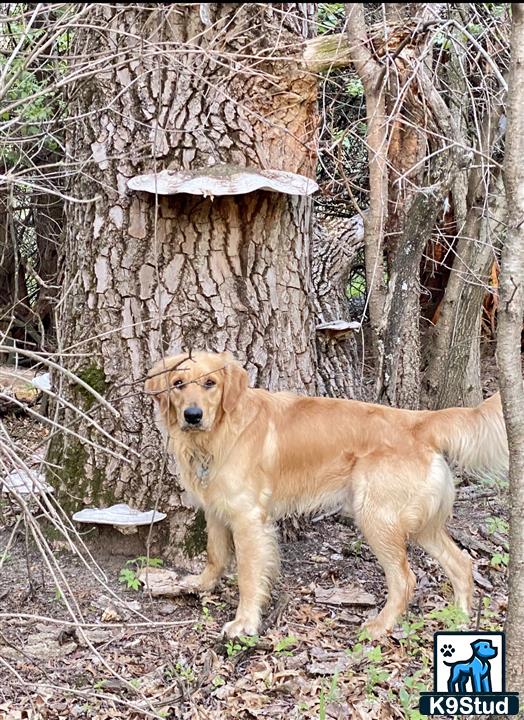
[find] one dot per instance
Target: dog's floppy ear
(235, 384)
(157, 383)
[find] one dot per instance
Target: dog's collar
(201, 463)
(202, 473)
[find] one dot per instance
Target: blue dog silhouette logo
(469, 676)
(476, 670)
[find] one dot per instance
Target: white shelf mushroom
(338, 326)
(25, 482)
(120, 516)
(222, 179)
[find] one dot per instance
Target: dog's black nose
(193, 415)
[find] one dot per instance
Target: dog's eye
(209, 383)
(178, 384)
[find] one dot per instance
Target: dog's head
(195, 392)
(484, 649)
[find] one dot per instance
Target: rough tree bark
(184, 86)
(370, 73)
(399, 365)
(479, 203)
(510, 317)
(454, 351)
(406, 233)
(335, 245)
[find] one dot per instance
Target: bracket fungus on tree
(25, 482)
(121, 517)
(222, 179)
(338, 328)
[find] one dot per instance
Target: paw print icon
(447, 650)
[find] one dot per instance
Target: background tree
(510, 317)
(30, 152)
(432, 78)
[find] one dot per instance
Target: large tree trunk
(148, 275)
(509, 349)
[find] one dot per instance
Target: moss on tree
(195, 539)
(70, 458)
(93, 376)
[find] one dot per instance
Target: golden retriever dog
(250, 456)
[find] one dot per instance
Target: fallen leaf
(110, 615)
(328, 663)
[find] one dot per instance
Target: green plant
(354, 87)
(451, 617)
(327, 697)
(499, 560)
(330, 17)
(375, 675)
(495, 524)
(218, 681)
(415, 684)
(128, 575)
(185, 672)
(206, 618)
(374, 662)
(490, 618)
(494, 481)
(129, 578)
(283, 646)
(99, 685)
(412, 641)
(180, 670)
(244, 642)
(58, 595)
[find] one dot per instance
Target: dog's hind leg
(433, 537)
(389, 545)
(456, 564)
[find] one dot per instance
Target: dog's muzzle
(193, 416)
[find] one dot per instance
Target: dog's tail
(474, 438)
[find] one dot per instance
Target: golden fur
(257, 456)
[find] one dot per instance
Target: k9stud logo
(469, 676)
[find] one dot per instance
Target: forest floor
(133, 656)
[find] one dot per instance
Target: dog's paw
(375, 629)
(447, 650)
(239, 627)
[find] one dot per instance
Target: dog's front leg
(218, 555)
(256, 551)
